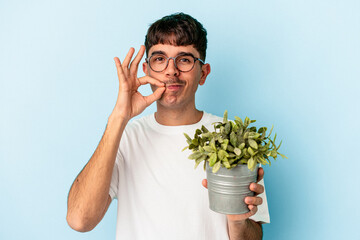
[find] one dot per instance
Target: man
(141, 163)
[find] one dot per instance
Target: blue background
(294, 64)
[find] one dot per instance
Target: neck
(176, 117)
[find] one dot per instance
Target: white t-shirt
(160, 195)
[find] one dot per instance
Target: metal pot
(228, 188)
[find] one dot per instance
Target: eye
(158, 58)
(184, 59)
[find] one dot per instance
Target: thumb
(155, 96)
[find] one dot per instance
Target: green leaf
(195, 142)
(251, 164)
(230, 148)
(279, 145)
(216, 167)
(208, 149)
(185, 148)
(204, 129)
(206, 135)
(271, 130)
(251, 151)
(273, 153)
(262, 129)
(234, 127)
(227, 128)
(252, 129)
(244, 161)
(222, 154)
(262, 160)
(187, 137)
(212, 159)
(227, 165)
(212, 144)
(247, 121)
(282, 155)
(239, 120)
(199, 160)
(195, 155)
(252, 143)
(197, 132)
(246, 152)
(241, 146)
(201, 149)
(253, 135)
(233, 139)
(237, 151)
(225, 120)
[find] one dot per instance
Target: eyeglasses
(184, 63)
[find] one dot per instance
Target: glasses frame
(173, 58)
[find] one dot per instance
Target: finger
(260, 174)
(128, 57)
(253, 209)
(256, 188)
(153, 81)
(155, 96)
(135, 63)
(119, 69)
(253, 201)
(204, 183)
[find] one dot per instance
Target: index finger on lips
(153, 81)
(135, 63)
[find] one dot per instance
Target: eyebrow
(179, 54)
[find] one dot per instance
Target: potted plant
(231, 155)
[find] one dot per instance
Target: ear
(205, 71)
(145, 68)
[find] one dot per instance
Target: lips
(173, 87)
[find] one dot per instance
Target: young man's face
(180, 86)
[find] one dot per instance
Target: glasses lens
(185, 63)
(158, 62)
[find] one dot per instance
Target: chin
(169, 101)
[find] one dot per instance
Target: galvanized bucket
(228, 188)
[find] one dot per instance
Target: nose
(171, 68)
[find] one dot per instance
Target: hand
(252, 202)
(130, 102)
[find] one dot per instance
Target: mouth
(174, 87)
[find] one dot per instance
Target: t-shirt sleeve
(114, 185)
(262, 215)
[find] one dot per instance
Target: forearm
(89, 195)
(245, 230)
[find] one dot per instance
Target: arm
(89, 198)
(246, 229)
